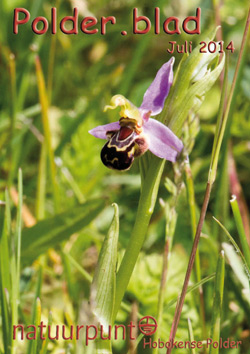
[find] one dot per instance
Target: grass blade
(241, 272)
(19, 231)
(132, 69)
(41, 184)
(217, 306)
(190, 289)
(240, 228)
(69, 278)
(34, 342)
(231, 239)
(12, 69)
(50, 232)
(191, 336)
(46, 341)
(4, 245)
(197, 267)
(35, 312)
(47, 131)
(5, 314)
(16, 259)
(162, 288)
(239, 296)
(81, 270)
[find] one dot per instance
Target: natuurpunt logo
(147, 326)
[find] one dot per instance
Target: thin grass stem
(12, 69)
(52, 55)
(191, 204)
(217, 305)
(191, 336)
(19, 231)
(41, 184)
(162, 289)
(179, 306)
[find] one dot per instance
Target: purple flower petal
(154, 97)
(162, 141)
(101, 131)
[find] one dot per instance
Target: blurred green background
(82, 72)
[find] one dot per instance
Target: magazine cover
(124, 177)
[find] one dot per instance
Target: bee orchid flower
(136, 132)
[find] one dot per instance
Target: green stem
(144, 212)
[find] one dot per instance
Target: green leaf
(104, 282)
(50, 232)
